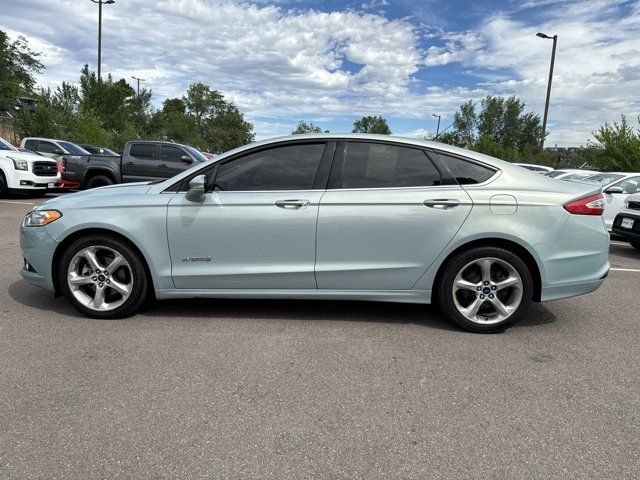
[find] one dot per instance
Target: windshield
(73, 148)
(555, 173)
(4, 145)
(198, 156)
(603, 179)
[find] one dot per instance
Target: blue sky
(331, 62)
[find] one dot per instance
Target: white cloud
(286, 63)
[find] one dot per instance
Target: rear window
(466, 172)
(31, 144)
(145, 151)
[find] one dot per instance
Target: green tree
(616, 147)
(371, 124)
(18, 65)
(304, 127)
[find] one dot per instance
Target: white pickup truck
(23, 172)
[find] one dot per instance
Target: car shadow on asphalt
(350, 311)
(625, 252)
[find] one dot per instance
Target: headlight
(40, 218)
(19, 164)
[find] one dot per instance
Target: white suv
(25, 172)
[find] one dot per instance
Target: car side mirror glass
(197, 188)
(186, 159)
(614, 190)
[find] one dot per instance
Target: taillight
(591, 205)
(60, 167)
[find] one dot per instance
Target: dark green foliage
(616, 147)
(371, 124)
(18, 65)
(304, 127)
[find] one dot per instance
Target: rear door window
(380, 165)
(144, 151)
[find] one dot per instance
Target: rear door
(256, 226)
(141, 163)
(388, 213)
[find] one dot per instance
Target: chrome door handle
(292, 204)
(442, 203)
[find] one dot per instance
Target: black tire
(99, 181)
(455, 265)
(4, 191)
(635, 244)
(140, 282)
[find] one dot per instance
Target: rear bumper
(571, 290)
(627, 233)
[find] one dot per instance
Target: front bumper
(627, 233)
(38, 247)
(25, 180)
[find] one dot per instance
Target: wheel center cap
(486, 290)
(101, 278)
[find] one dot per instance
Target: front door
(386, 219)
(255, 227)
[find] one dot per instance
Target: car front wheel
(103, 277)
(485, 289)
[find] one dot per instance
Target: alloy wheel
(487, 290)
(100, 278)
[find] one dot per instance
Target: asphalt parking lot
(290, 389)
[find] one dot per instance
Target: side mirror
(186, 159)
(57, 151)
(197, 188)
(614, 190)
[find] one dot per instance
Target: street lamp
(100, 2)
(438, 127)
(139, 80)
(546, 105)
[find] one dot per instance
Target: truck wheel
(99, 181)
(3, 186)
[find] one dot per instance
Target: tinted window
(604, 178)
(46, 147)
(145, 151)
(466, 172)
(555, 173)
(73, 148)
(292, 167)
(31, 144)
(377, 165)
(171, 154)
(630, 185)
(4, 145)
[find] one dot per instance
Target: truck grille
(634, 205)
(45, 169)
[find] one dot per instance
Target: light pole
(139, 80)
(438, 127)
(100, 2)
(546, 105)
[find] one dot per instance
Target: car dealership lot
(294, 389)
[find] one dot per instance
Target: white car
(24, 172)
(627, 222)
(543, 169)
(616, 187)
(52, 148)
(565, 172)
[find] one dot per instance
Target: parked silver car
(359, 217)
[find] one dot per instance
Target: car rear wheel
(103, 277)
(99, 181)
(485, 289)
